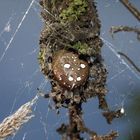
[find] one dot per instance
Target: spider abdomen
(69, 70)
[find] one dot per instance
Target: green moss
(42, 57)
(81, 47)
(74, 11)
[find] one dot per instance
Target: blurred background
(20, 76)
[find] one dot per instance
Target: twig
(116, 29)
(131, 8)
(130, 61)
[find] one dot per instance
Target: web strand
(16, 31)
(111, 47)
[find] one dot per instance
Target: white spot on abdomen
(78, 78)
(67, 66)
(82, 66)
(70, 78)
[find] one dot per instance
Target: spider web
(20, 75)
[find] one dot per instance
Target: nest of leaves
(72, 26)
(78, 36)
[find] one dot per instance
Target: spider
(70, 55)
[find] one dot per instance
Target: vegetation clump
(75, 9)
(81, 47)
(70, 57)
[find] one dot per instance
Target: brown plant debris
(131, 8)
(70, 57)
(135, 12)
(110, 115)
(115, 29)
(11, 124)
